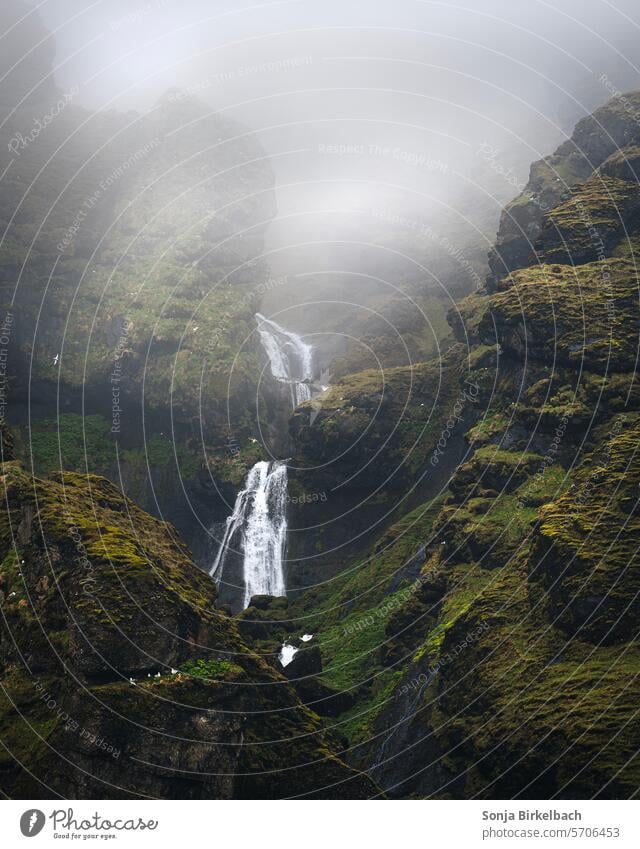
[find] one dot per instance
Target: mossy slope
(511, 666)
(119, 675)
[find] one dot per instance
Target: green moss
(9, 569)
(490, 426)
(161, 452)
(577, 229)
(547, 483)
(69, 442)
(569, 315)
(352, 652)
(467, 583)
(233, 463)
(23, 736)
(587, 545)
(364, 411)
(211, 669)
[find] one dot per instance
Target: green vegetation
(381, 427)
(589, 540)
(525, 610)
(211, 669)
(578, 229)
(76, 443)
(71, 442)
(353, 652)
(159, 452)
(573, 314)
(107, 593)
(516, 587)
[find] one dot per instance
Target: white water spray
(258, 527)
(290, 358)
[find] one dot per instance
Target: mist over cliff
(319, 411)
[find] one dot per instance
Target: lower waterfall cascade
(257, 528)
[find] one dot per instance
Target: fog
(368, 111)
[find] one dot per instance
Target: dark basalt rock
(304, 671)
(595, 138)
(307, 662)
(265, 618)
(511, 666)
(323, 700)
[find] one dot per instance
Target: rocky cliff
(119, 676)
(463, 530)
(130, 270)
(489, 638)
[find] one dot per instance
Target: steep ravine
(448, 546)
(115, 661)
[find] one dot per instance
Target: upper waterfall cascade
(290, 358)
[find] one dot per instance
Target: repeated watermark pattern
(88, 580)
(378, 151)
(549, 459)
(412, 157)
(91, 202)
(248, 299)
(440, 239)
(5, 338)
(116, 375)
(291, 63)
(393, 603)
(73, 725)
(449, 657)
(469, 394)
(19, 142)
(491, 155)
(146, 8)
(626, 103)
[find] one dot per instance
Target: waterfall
(290, 358)
(257, 531)
(253, 543)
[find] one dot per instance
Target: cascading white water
(258, 526)
(256, 530)
(290, 358)
(265, 533)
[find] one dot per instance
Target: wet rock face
(307, 662)
(422, 769)
(596, 138)
(266, 618)
(209, 740)
(305, 671)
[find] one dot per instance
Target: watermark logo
(32, 822)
